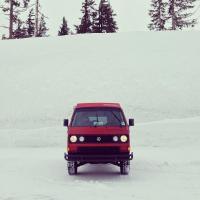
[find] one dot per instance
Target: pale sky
(131, 14)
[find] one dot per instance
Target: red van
(98, 133)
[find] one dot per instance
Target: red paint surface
(99, 130)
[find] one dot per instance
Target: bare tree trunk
(36, 17)
(173, 15)
(100, 22)
(11, 20)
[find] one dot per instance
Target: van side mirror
(131, 122)
(66, 122)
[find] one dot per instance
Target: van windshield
(84, 117)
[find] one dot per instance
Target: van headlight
(124, 138)
(73, 139)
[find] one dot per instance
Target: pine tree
(21, 31)
(30, 24)
(42, 32)
(179, 14)
(95, 22)
(64, 30)
(13, 8)
(107, 23)
(88, 8)
(39, 21)
(157, 14)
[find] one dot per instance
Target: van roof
(95, 105)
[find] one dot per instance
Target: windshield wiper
(116, 117)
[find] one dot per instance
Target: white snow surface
(155, 76)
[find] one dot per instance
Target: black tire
(124, 167)
(72, 167)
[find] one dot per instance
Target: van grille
(99, 139)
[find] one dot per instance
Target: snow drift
(154, 75)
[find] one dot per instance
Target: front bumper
(98, 158)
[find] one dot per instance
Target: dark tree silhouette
(88, 9)
(13, 8)
(42, 31)
(180, 14)
(107, 23)
(31, 24)
(158, 16)
(64, 30)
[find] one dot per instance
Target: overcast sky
(131, 14)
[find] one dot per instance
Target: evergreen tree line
(93, 20)
(19, 28)
(171, 14)
(26, 29)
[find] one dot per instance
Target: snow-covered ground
(166, 166)
(155, 76)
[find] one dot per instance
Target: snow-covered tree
(42, 31)
(31, 24)
(180, 14)
(158, 16)
(88, 8)
(64, 30)
(13, 8)
(107, 23)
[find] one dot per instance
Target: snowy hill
(155, 76)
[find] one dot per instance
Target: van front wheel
(72, 167)
(124, 167)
